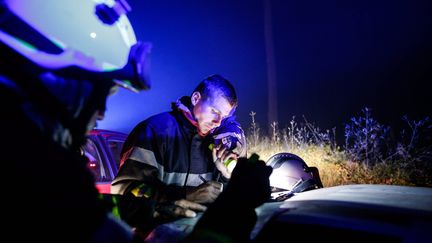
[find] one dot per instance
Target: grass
(371, 154)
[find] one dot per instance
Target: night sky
(333, 58)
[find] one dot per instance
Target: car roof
(414, 198)
(108, 133)
(369, 212)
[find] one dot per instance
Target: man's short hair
(217, 84)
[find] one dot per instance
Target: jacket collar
(182, 107)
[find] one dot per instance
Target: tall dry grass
(369, 155)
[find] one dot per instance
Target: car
(102, 149)
(358, 212)
(345, 213)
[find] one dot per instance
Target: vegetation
(372, 152)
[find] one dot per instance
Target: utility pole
(271, 64)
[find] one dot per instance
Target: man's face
(97, 116)
(210, 112)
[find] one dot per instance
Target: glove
(229, 144)
(249, 184)
(232, 216)
(230, 136)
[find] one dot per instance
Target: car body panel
(103, 149)
(362, 212)
(408, 197)
(356, 212)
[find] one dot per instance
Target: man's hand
(220, 156)
(180, 208)
(204, 193)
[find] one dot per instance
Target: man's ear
(196, 96)
(232, 111)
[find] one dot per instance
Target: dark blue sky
(333, 58)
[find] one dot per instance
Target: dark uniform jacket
(50, 187)
(163, 155)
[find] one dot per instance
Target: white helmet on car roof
(291, 173)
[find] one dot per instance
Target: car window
(116, 147)
(94, 161)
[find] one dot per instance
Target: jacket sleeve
(141, 171)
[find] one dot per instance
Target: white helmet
(95, 35)
(291, 173)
